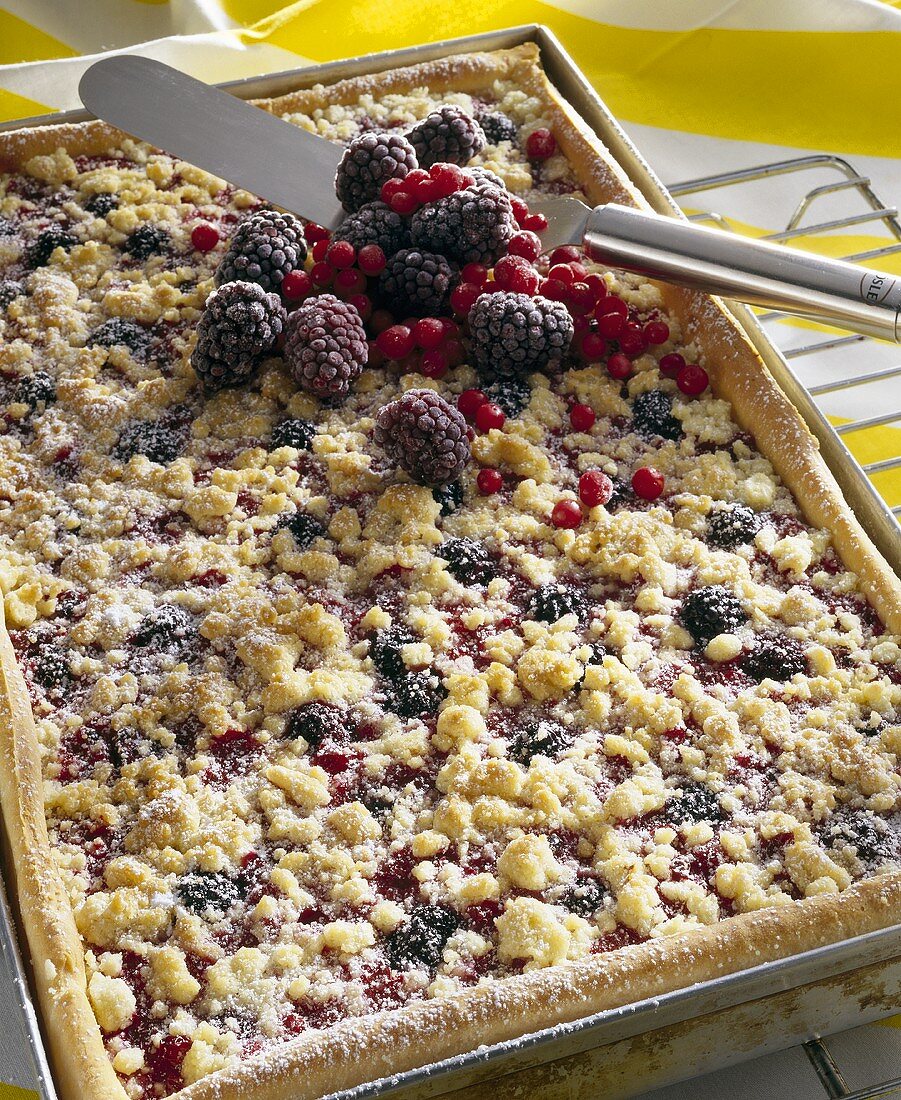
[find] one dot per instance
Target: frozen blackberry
(468, 561)
(515, 333)
(238, 327)
(51, 667)
(424, 435)
(264, 248)
(871, 837)
(120, 330)
(450, 497)
(447, 135)
(369, 161)
(385, 650)
(498, 127)
(155, 440)
(470, 226)
(167, 628)
(421, 941)
(697, 803)
(304, 528)
(622, 493)
(416, 695)
(48, 240)
(774, 657)
(102, 204)
(325, 347)
(146, 241)
(418, 283)
(317, 722)
(9, 290)
(584, 897)
(6, 227)
(711, 611)
(208, 893)
(295, 433)
(731, 526)
(36, 390)
(512, 394)
(551, 602)
(541, 737)
(652, 414)
(374, 223)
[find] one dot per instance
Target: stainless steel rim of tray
(758, 986)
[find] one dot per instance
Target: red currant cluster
(427, 345)
(420, 186)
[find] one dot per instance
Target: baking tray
(661, 1040)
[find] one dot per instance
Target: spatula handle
(757, 272)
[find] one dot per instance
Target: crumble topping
(319, 740)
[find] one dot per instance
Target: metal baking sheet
(666, 1039)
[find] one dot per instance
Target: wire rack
(850, 202)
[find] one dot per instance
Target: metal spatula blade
(217, 132)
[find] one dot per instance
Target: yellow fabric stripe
(17, 106)
(742, 84)
(20, 41)
(12, 1092)
(248, 12)
(873, 445)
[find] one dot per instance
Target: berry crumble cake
(413, 638)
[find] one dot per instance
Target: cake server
(758, 272)
(218, 132)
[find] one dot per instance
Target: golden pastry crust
(355, 1051)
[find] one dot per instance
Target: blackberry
(774, 657)
(6, 227)
(238, 327)
(468, 561)
(48, 240)
(711, 611)
(9, 290)
(317, 722)
(418, 283)
(652, 414)
(497, 127)
(470, 226)
(51, 667)
(120, 330)
(696, 803)
(304, 528)
(264, 248)
(584, 897)
(541, 737)
(872, 837)
(421, 941)
(450, 497)
(385, 650)
(325, 347)
(36, 390)
(146, 241)
(447, 135)
(551, 602)
(512, 394)
(295, 433)
(425, 436)
(102, 204)
(731, 526)
(374, 223)
(166, 628)
(622, 492)
(369, 160)
(514, 333)
(484, 177)
(155, 440)
(416, 695)
(208, 893)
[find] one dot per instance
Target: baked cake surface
(319, 740)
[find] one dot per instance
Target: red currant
(619, 366)
(363, 305)
(632, 340)
(395, 342)
(611, 324)
(451, 328)
(390, 188)
(447, 178)
(434, 363)
(647, 482)
(403, 202)
(381, 319)
(566, 514)
(565, 254)
(204, 237)
(516, 274)
(350, 281)
(341, 254)
(314, 232)
(656, 332)
(595, 488)
(489, 416)
(296, 285)
(376, 358)
(541, 144)
(554, 289)
(371, 259)
(319, 249)
(525, 244)
(582, 417)
(692, 380)
(534, 223)
(520, 209)
(474, 273)
(581, 298)
(463, 298)
(563, 273)
(454, 352)
(470, 401)
(322, 274)
(611, 304)
(671, 364)
(597, 284)
(489, 481)
(428, 333)
(593, 346)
